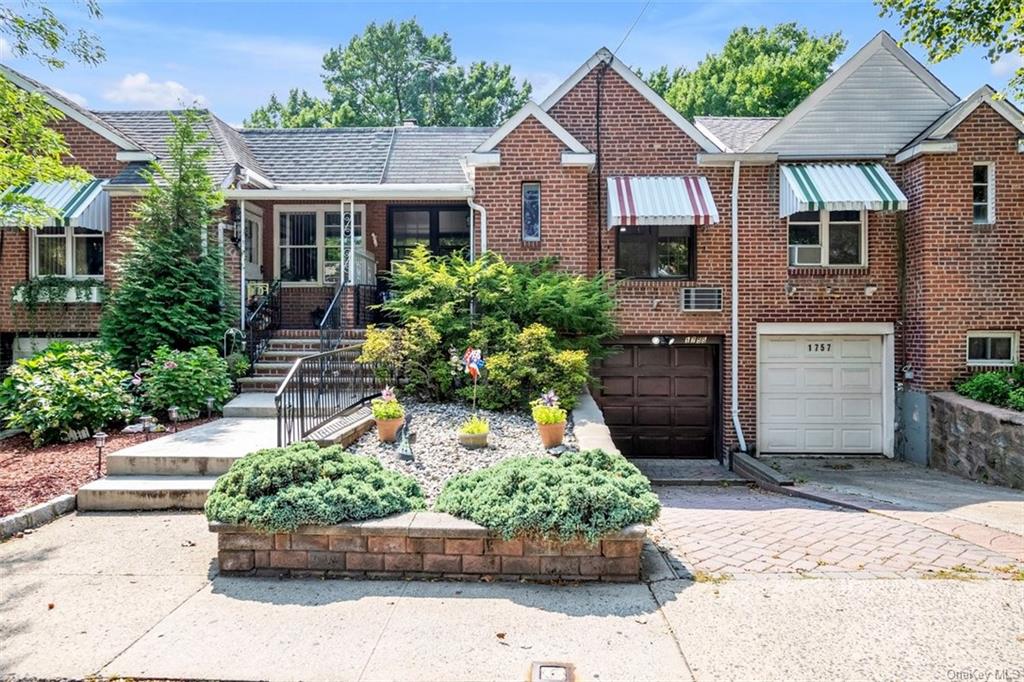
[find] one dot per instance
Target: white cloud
(1007, 64)
(74, 97)
(5, 48)
(139, 89)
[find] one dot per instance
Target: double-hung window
(297, 240)
(73, 252)
(531, 211)
(992, 349)
(827, 238)
(983, 193)
(656, 251)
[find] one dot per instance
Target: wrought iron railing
(334, 322)
(262, 321)
(320, 389)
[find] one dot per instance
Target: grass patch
(713, 578)
(958, 572)
(1015, 572)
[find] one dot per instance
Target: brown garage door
(659, 401)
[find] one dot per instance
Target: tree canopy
(393, 72)
(30, 149)
(945, 29)
(759, 72)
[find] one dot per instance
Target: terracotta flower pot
(387, 428)
(551, 435)
(473, 441)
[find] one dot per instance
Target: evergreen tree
(171, 286)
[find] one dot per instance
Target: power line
(631, 27)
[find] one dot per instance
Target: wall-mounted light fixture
(870, 288)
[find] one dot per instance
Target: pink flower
(387, 394)
(170, 364)
(136, 380)
(549, 399)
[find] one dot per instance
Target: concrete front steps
(287, 346)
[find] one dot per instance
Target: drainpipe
(734, 346)
(473, 206)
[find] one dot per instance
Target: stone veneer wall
(424, 545)
(976, 440)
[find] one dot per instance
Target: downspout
(597, 136)
(483, 227)
(735, 305)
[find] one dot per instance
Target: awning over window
(78, 204)
(681, 200)
(838, 187)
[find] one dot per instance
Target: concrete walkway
(134, 595)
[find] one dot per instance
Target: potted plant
(473, 433)
(550, 419)
(388, 413)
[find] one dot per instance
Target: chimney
(409, 123)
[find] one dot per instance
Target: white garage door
(820, 394)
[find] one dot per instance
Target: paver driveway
(739, 531)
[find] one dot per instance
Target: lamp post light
(172, 412)
(209, 406)
(100, 438)
(147, 424)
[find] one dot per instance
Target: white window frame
(823, 242)
(990, 192)
(540, 204)
(990, 334)
(69, 255)
(320, 210)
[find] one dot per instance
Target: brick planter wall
(423, 545)
(976, 440)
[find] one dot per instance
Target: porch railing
(320, 389)
(262, 321)
(333, 323)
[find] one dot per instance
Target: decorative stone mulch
(437, 454)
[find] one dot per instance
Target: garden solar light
(100, 438)
(147, 424)
(172, 412)
(209, 406)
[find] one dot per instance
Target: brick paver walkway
(740, 531)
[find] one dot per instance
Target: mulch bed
(29, 476)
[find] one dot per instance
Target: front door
(442, 229)
(253, 247)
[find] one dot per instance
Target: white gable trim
(927, 147)
(531, 109)
(882, 41)
(135, 156)
(69, 109)
(983, 95)
(638, 84)
(483, 159)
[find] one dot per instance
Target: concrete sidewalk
(133, 595)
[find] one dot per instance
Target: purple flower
(170, 364)
(549, 399)
(387, 394)
(136, 380)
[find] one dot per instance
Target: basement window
(992, 349)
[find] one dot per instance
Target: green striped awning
(838, 187)
(78, 204)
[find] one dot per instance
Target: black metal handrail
(332, 321)
(332, 324)
(321, 388)
(261, 323)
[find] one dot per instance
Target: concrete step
(265, 368)
(163, 464)
(260, 384)
(145, 493)
(254, 404)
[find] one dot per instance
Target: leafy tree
(171, 283)
(661, 79)
(945, 29)
(393, 72)
(759, 72)
(30, 149)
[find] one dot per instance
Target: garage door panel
(820, 394)
(659, 401)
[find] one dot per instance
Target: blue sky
(231, 56)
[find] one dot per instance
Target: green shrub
(532, 367)
(238, 365)
(988, 387)
(64, 390)
(1015, 400)
(279, 489)
(185, 379)
(581, 494)
(474, 426)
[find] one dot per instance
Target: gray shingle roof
(320, 155)
(737, 133)
(431, 154)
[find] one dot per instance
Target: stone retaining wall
(976, 440)
(424, 545)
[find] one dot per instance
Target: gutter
(735, 305)
(454, 190)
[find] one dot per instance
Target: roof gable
(72, 110)
(949, 121)
(874, 104)
(528, 110)
(604, 55)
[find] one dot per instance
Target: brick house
(785, 285)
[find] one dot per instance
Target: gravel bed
(437, 454)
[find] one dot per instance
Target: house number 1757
(819, 347)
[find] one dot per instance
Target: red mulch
(31, 475)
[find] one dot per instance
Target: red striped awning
(674, 200)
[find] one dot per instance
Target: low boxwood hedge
(579, 495)
(279, 489)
